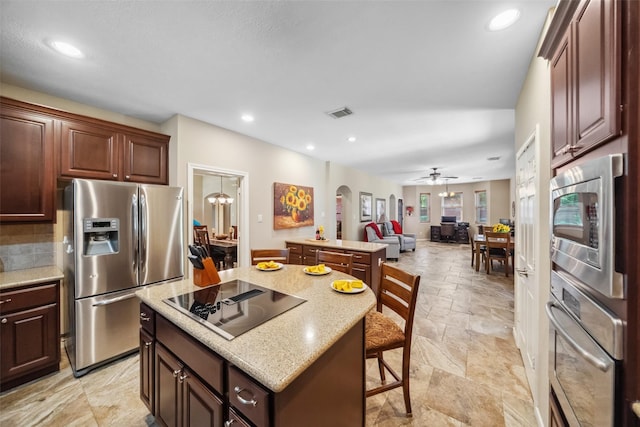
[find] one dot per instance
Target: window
(425, 207)
(481, 207)
(452, 206)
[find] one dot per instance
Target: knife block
(208, 276)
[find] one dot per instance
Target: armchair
(407, 240)
(372, 234)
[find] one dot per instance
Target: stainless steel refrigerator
(117, 238)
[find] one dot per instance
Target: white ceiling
(428, 85)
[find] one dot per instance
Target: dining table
(480, 239)
(225, 251)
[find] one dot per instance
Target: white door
(526, 292)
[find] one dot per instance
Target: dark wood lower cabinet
(147, 361)
(29, 333)
(181, 399)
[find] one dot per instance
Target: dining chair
(335, 260)
(398, 291)
(201, 238)
(197, 228)
(497, 249)
(276, 255)
(481, 248)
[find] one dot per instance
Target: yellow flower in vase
(501, 228)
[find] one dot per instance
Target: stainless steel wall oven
(585, 355)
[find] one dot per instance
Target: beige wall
(498, 200)
(200, 143)
(534, 108)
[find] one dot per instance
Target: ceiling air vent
(340, 113)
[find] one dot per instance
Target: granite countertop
(279, 350)
(344, 244)
(30, 276)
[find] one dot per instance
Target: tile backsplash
(27, 246)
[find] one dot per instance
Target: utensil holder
(208, 276)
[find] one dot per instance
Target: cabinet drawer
(248, 397)
(236, 420)
(195, 355)
(23, 298)
(147, 318)
(294, 249)
(360, 257)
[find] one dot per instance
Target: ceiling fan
(435, 178)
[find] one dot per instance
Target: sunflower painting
(292, 206)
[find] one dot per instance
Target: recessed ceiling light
(66, 49)
(504, 20)
(351, 139)
(310, 147)
(493, 159)
(247, 118)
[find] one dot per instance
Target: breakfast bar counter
(313, 351)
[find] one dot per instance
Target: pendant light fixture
(220, 197)
(446, 192)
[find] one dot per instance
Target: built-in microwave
(583, 204)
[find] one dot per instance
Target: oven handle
(598, 363)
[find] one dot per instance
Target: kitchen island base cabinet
(194, 385)
(367, 257)
(181, 399)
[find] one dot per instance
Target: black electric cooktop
(233, 308)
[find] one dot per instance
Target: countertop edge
(343, 244)
(30, 276)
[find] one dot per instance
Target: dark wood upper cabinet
(38, 144)
(145, 159)
(585, 81)
(561, 137)
(27, 164)
(597, 72)
(105, 151)
(89, 151)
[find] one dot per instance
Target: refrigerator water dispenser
(101, 236)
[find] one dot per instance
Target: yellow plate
(271, 269)
(327, 270)
(353, 290)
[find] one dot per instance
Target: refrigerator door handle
(113, 300)
(134, 238)
(143, 236)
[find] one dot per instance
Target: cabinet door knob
(115, 175)
(183, 377)
(148, 344)
(176, 373)
(127, 177)
(228, 423)
(144, 317)
(4, 320)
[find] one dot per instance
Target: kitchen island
(303, 367)
(367, 256)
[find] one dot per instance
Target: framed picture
(366, 202)
(292, 206)
(381, 210)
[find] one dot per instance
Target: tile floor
(465, 367)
